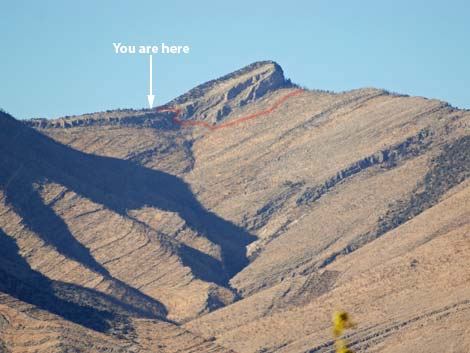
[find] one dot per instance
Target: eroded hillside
(248, 236)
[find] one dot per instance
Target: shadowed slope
(117, 184)
(358, 201)
(20, 281)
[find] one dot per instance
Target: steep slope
(26, 329)
(79, 218)
(412, 281)
(215, 100)
(149, 137)
(356, 200)
(38, 314)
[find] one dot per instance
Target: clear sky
(57, 57)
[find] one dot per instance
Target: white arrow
(150, 96)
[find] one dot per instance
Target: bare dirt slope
(248, 236)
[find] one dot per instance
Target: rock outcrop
(128, 232)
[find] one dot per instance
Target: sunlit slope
(254, 233)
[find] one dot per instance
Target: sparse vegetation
(119, 233)
(448, 169)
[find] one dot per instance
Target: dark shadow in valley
(19, 281)
(84, 306)
(119, 185)
(42, 220)
(20, 192)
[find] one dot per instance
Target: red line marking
(276, 104)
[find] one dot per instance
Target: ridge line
(269, 110)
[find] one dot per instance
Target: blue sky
(57, 57)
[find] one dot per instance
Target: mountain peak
(256, 72)
(211, 101)
(217, 98)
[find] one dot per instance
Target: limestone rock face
(215, 100)
(124, 231)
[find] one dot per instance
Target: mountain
(238, 217)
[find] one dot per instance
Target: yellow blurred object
(341, 322)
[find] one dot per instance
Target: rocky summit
(239, 225)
